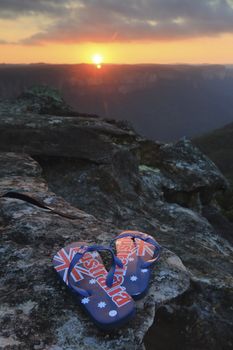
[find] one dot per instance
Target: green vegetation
(43, 91)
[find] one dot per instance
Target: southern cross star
(95, 254)
(102, 304)
(85, 300)
(112, 313)
(133, 278)
(92, 281)
(144, 270)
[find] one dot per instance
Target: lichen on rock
(36, 310)
(88, 179)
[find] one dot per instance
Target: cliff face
(163, 102)
(64, 179)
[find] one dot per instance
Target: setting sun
(97, 59)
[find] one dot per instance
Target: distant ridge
(218, 145)
(162, 102)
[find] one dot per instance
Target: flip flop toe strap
(79, 255)
(145, 238)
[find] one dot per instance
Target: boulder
(43, 100)
(89, 178)
(83, 138)
(37, 312)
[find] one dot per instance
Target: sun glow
(97, 59)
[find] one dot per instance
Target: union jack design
(144, 247)
(63, 260)
(141, 248)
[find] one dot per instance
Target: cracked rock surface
(88, 179)
(37, 312)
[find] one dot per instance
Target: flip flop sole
(134, 253)
(108, 307)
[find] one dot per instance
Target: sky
(122, 31)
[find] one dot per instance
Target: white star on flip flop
(92, 281)
(95, 254)
(85, 300)
(112, 313)
(102, 304)
(133, 278)
(144, 270)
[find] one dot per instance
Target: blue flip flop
(138, 251)
(98, 291)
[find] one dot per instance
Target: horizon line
(118, 64)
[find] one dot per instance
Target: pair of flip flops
(107, 296)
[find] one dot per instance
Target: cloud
(121, 20)
(16, 8)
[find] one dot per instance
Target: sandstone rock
(36, 310)
(116, 179)
(43, 100)
(142, 200)
(73, 137)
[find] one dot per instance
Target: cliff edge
(92, 178)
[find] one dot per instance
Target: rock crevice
(93, 178)
(37, 312)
